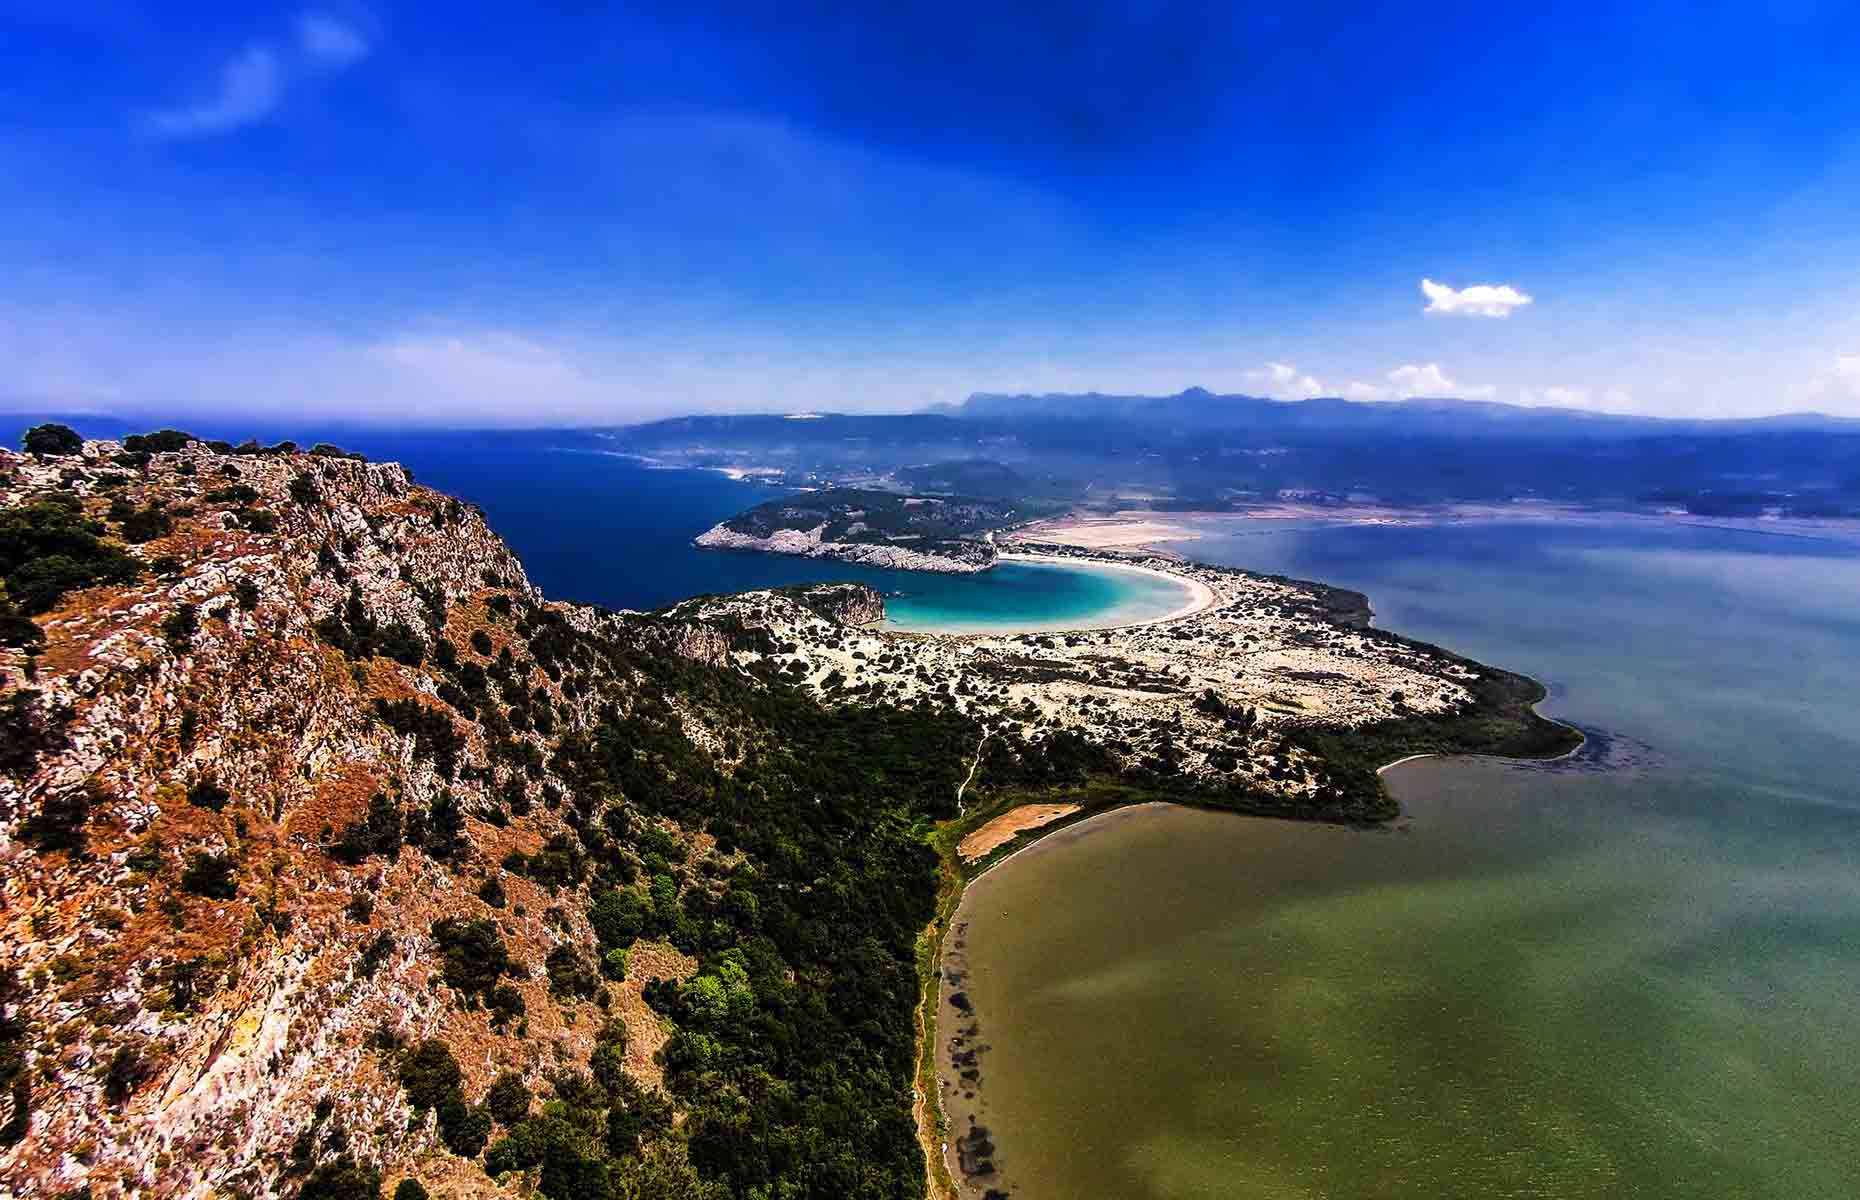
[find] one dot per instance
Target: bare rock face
(190, 969)
(846, 603)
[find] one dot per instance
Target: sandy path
(1003, 829)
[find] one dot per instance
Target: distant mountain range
(1202, 450)
(1436, 416)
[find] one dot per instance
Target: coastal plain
(1225, 689)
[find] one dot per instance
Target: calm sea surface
(1642, 980)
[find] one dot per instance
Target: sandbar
(982, 841)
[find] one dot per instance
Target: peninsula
(880, 529)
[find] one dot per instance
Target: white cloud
(1358, 390)
(1847, 372)
(1555, 397)
(330, 41)
(1479, 300)
(1427, 379)
(485, 366)
(1283, 381)
(250, 86)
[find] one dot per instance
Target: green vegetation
(1502, 722)
(59, 823)
(474, 956)
(603, 1137)
(431, 1078)
(162, 441)
(942, 525)
(52, 440)
(433, 735)
(14, 1079)
(342, 1179)
(508, 1100)
(180, 626)
(358, 635)
(48, 548)
(28, 728)
(377, 833)
(208, 795)
(214, 876)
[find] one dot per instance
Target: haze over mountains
(1416, 414)
(1198, 449)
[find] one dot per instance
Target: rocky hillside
(336, 857)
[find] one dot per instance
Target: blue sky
(488, 215)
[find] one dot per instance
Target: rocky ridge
(182, 1028)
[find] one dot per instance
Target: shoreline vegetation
(1080, 807)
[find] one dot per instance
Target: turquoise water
(1023, 597)
(1637, 975)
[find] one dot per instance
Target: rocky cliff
(329, 843)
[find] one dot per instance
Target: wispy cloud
(1427, 379)
(248, 89)
(330, 41)
(1282, 381)
(1847, 372)
(252, 84)
(1479, 300)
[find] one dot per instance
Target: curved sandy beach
(1200, 595)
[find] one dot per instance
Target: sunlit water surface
(1643, 981)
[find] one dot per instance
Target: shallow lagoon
(1630, 975)
(1022, 597)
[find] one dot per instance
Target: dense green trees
(52, 439)
(378, 833)
(432, 1080)
(48, 548)
(473, 956)
(214, 876)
